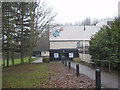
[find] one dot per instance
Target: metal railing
(94, 61)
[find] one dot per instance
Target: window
(56, 55)
(71, 55)
(109, 22)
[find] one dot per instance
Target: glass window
(71, 55)
(56, 55)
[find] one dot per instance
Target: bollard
(65, 63)
(118, 78)
(69, 63)
(77, 69)
(109, 66)
(98, 78)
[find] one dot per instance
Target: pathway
(40, 60)
(109, 80)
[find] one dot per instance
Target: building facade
(74, 37)
(63, 54)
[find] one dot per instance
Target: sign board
(56, 55)
(56, 33)
(71, 55)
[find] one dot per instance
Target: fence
(109, 64)
(106, 62)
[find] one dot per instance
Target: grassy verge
(25, 76)
(18, 61)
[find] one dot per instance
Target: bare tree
(86, 21)
(41, 16)
(95, 21)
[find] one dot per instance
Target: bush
(78, 60)
(46, 59)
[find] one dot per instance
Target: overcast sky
(70, 11)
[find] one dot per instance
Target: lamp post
(84, 51)
(84, 46)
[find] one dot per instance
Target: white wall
(85, 57)
(58, 45)
(45, 53)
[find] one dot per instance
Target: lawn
(25, 76)
(18, 61)
(44, 75)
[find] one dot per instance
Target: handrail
(105, 60)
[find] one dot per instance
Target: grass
(25, 76)
(18, 61)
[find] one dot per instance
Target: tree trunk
(22, 52)
(12, 57)
(3, 56)
(32, 31)
(7, 53)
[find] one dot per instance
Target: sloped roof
(73, 32)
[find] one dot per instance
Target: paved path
(109, 80)
(40, 60)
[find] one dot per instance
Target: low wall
(85, 57)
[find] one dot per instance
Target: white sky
(70, 11)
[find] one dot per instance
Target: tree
(15, 24)
(22, 23)
(104, 45)
(95, 21)
(41, 17)
(87, 21)
(6, 17)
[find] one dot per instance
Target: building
(73, 37)
(40, 53)
(63, 54)
(45, 53)
(119, 10)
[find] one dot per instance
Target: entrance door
(64, 56)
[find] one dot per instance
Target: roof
(63, 49)
(73, 33)
(40, 50)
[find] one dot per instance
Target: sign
(57, 32)
(56, 55)
(71, 55)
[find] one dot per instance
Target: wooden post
(62, 62)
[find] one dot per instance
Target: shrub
(78, 60)
(46, 59)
